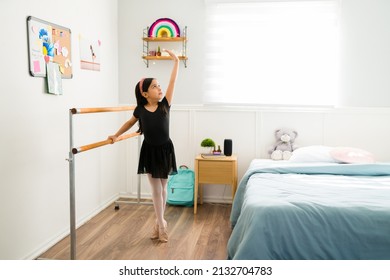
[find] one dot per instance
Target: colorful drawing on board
(164, 27)
(89, 54)
(48, 42)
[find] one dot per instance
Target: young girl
(157, 156)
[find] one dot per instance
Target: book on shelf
(213, 155)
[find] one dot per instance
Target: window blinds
(271, 52)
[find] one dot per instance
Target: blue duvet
(316, 211)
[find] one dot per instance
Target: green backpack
(181, 187)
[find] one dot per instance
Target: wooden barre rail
(101, 109)
(102, 143)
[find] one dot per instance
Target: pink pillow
(352, 155)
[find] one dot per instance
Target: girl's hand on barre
(112, 138)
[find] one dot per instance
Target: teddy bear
(284, 146)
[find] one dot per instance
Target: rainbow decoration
(164, 27)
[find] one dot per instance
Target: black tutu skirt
(157, 160)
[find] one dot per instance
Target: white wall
(365, 41)
(365, 59)
(364, 87)
(34, 196)
(35, 136)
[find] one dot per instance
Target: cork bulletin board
(48, 42)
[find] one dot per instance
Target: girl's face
(154, 91)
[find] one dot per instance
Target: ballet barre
(73, 151)
(101, 109)
(102, 143)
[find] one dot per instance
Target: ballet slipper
(155, 233)
(163, 234)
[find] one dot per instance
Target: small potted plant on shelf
(208, 143)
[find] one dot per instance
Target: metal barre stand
(71, 160)
(117, 202)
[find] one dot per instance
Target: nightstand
(214, 170)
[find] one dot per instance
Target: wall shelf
(151, 44)
(151, 57)
(164, 39)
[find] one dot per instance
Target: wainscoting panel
(252, 131)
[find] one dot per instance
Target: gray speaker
(228, 147)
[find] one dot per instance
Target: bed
(311, 210)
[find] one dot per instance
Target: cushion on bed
(351, 155)
(321, 153)
(316, 153)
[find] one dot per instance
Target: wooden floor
(124, 235)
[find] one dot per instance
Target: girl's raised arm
(171, 86)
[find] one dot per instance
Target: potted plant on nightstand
(208, 143)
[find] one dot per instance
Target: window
(271, 52)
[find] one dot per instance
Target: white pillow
(316, 153)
